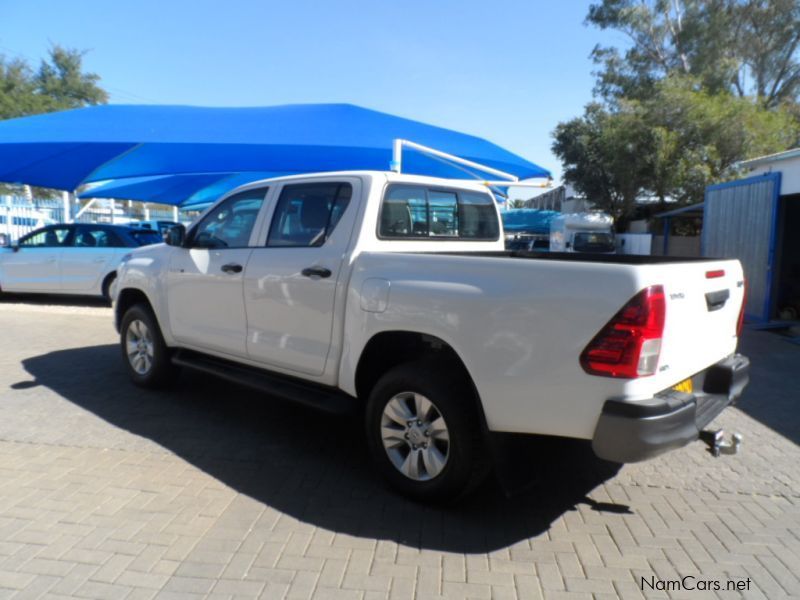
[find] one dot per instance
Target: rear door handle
(316, 272)
(231, 268)
(716, 300)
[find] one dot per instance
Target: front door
(35, 265)
(204, 283)
(291, 282)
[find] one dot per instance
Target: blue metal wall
(739, 221)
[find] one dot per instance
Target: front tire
(144, 352)
(423, 432)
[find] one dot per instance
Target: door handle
(231, 268)
(316, 272)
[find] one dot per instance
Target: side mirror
(568, 244)
(176, 235)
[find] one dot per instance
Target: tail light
(740, 321)
(630, 343)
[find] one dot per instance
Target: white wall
(635, 243)
(790, 173)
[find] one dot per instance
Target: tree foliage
(702, 85)
(59, 83)
(747, 47)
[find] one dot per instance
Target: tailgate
(703, 300)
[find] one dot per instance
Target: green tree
(59, 83)
(672, 144)
(748, 47)
(518, 203)
(702, 85)
(601, 152)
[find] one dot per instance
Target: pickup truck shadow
(53, 300)
(312, 466)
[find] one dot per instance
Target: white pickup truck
(391, 294)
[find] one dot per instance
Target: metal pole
(66, 203)
(455, 159)
(397, 156)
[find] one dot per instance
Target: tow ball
(717, 444)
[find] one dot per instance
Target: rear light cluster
(630, 343)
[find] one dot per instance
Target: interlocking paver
(209, 491)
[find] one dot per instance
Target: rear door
(35, 265)
(92, 254)
(703, 299)
(204, 281)
(291, 281)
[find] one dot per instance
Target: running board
(320, 397)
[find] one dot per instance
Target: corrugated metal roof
(778, 156)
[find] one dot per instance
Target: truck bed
(619, 259)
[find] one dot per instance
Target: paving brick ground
(211, 491)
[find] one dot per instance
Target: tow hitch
(717, 444)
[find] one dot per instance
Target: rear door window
(96, 237)
(418, 212)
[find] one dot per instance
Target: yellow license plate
(684, 386)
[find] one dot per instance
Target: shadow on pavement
(52, 300)
(772, 396)
(312, 466)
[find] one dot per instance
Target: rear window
(586, 241)
(418, 212)
(145, 237)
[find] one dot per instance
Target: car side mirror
(176, 235)
(568, 244)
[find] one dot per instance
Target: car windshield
(589, 241)
(145, 237)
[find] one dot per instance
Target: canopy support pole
(85, 208)
(508, 179)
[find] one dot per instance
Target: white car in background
(77, 258)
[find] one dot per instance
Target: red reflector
(740, 320)
(630, 343)
(715, 274)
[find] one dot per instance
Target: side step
(320, 397)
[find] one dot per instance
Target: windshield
(589, 241)
(145, 237)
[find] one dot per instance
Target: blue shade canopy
(173, 189)
(62, 150)
(528, 220)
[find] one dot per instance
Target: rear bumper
(634, 431)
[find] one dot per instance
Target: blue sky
(507, 71)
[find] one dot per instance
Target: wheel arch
(388, 349)
(106, 282)
(129, 297)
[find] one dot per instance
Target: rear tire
(146, 356)
(423, 431)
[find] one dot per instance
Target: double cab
(392, 295)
